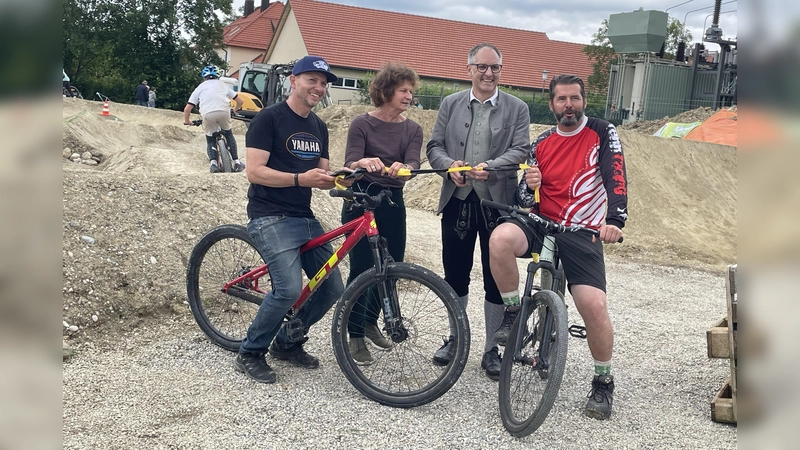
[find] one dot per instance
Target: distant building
(357, 40)
(246, 39)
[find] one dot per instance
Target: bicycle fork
(544, 325)
(387, 291)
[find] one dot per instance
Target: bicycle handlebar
(549, 225)
(363, 199)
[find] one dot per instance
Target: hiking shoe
(255, 367)
(491, 363)
(238, 166)
(359, 351)
(295, 355)
(502, 333)
(372, 333)
(445, 353)
(213, 168)
(601, 397)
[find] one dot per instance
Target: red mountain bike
(227, 280)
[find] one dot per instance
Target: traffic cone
(105, 109)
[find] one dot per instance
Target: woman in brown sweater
(382, 141)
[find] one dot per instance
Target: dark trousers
(391, 221)
(464, 221)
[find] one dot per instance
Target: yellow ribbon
(407, 172)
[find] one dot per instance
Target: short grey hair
(471, 54)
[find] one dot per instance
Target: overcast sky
(571, 21)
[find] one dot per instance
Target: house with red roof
(246, 39)
(356, 40)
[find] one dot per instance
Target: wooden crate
(723, 407)
(718, 340)
(721, 341)
(731, 291)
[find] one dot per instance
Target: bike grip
(343, 193)
(497, 206)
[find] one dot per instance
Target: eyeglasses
(483, 67)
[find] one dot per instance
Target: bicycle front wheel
(404, 374)
(530, 375)
(224, 155)
(223, 254)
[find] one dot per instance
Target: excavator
(262, 85)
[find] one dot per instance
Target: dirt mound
(130, 222)
(649, 127)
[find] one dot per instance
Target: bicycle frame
(355, 230)
(551, 276)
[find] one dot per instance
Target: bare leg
(591, 303)
(505, 245)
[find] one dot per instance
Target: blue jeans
(279, 238)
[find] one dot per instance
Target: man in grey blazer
(480, 127)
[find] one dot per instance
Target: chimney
(248, 7)
(264, 5)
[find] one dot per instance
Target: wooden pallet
(723, 407)
(721, 342)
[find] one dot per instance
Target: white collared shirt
(492, 99)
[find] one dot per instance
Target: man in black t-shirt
(287, 155)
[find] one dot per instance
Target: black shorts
(581, 258)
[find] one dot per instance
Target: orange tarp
(721, 128)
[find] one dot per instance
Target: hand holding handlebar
(612, 233)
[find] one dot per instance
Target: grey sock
(493, 315)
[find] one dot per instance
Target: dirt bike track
(151, 198)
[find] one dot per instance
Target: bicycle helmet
(210, 71)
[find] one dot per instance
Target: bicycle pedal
(294, 330)
(577, 331)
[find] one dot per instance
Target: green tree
(110, 46)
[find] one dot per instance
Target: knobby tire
(226, 161)
(404, 375)
(526, 394)
(223, 254)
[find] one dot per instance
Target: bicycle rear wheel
(223, 254)
(224, 155)
(529, 385)
(404, 374)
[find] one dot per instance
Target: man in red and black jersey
(579, 169)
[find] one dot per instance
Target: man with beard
(479, 127)
(579, 169)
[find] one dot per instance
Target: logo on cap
(320, 64)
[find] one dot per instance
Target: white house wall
(289, 45)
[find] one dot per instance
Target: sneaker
(372, 333)
(502, 333)
(601, 397)
(295, 355)
(255, 367)
(491, 363)
(359, 351)
(238, 166)
(445, 353)
(214, 168)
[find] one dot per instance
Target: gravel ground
(167, 386)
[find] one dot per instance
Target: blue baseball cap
(313, 64)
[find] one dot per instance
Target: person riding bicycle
(579, 169)
(212, 97)
(67, 86)
(287, 155)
